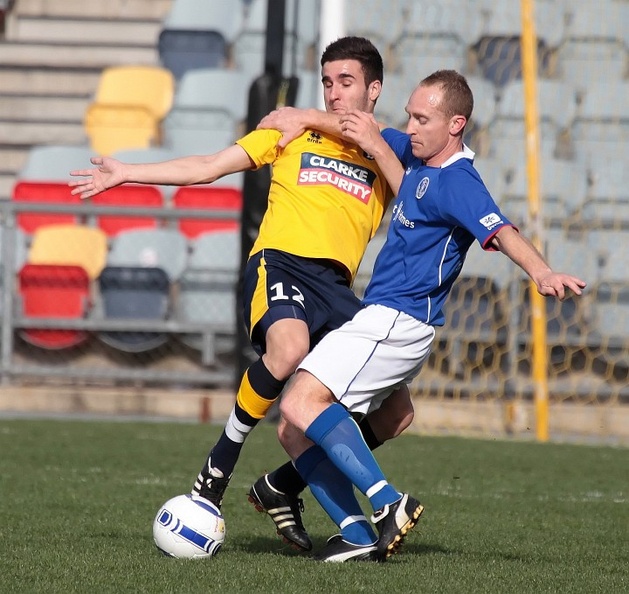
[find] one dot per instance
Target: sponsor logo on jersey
(490, 221)
(421, 188)
(350, 178)
(314, 137)
(398, 215)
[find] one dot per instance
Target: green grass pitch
(77, 501)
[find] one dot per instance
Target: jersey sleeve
(261, 146)
(477, 211)
(400, 144)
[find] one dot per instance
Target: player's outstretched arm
(177, 172)
(525, 255)
(292, 122)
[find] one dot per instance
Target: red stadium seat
(208, 197)
(37, 191)
(128, 195)
(50, 291)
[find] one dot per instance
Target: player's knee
(283, 358)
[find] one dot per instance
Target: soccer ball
(189, 527)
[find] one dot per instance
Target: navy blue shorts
(278, 285)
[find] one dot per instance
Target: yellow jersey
(326, 200)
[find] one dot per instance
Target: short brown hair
(458, 98)
(359, 49)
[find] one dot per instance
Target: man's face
(344, 87)
(428, 126)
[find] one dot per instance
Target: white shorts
(370, 356)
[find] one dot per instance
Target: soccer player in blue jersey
(442, 207)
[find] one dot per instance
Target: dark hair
(457, 95)
(359, 49)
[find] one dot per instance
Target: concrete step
(49, 55)
(86, 32)
(124, 9)
(42, 132)
(46, 81)
(12, 158)
(52, 109)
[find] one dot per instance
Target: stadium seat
(219, 15)
(181, 50)
(556, 102)
(151, 248)
(214, 91)
(46, 192)
(421, 55)
(135, 195)
(141, 267)
(151, 87)
(498, 46)
(207, 292)
(594, 47)
(607, 202)
(54, 162)
(507, 142)
(563, 189)
(603, 120)
(208, 197)
(365, 18)
(74, 245)
(133, 293)
(191, 132)
(53, 291)
(114, 127)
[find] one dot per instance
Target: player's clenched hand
(107, 174)
(556, 283)
(362, 129)
(288, 120)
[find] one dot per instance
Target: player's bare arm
(363, 129)
(293, 122)
(526, 256)
(185, 171)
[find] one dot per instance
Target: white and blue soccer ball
(189, 527)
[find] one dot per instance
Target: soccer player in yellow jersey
(326, 200)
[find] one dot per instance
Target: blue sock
(335, 493)
(339, 436)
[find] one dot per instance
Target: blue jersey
(437, 215)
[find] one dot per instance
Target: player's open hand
(288, 120)
(556, 283)
(107, 174)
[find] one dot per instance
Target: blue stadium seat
(181, 50)
(133, 293)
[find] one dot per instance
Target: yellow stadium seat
(152, 87)
(112, 127)
(75, 245)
